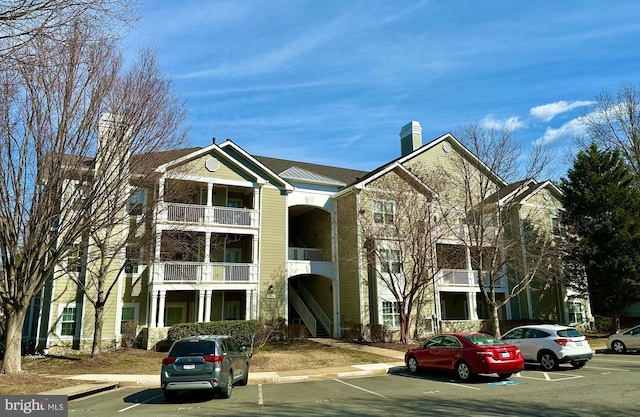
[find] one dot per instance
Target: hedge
(244, 331)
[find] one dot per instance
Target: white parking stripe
(609, 369)
(616, 361)
(361, 389)
(140, 403)
(260, 397)
(464, 386)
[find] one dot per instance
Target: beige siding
(273, 251)
(227, 170)
(350, 278)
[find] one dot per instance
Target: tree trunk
(615, 322)
(495, 321)
(96, 347)
(405, 329)
(12, 363)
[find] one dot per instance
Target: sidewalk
(101, 382)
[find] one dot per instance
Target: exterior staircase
(310, 312)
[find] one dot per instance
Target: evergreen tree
(602, 203)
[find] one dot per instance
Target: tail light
(562, 342)
(214, 359)
(168, 361)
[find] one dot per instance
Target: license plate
(189, 366)
(505, 354)
(578, 343)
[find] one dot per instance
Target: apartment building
(234, 236)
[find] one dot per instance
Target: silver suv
(550, 344)
(204, 363)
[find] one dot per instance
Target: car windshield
(483, 339)
(197, 348)
(569, 333)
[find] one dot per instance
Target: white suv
(550, 344)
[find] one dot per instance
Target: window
(390, 262)
(390, 314)
(136, 203)
(129, 313)
(74, 258)
(134, 259)
(576, 312)
(68, 320)
(79, 194)
(383, 212)
(557, 228)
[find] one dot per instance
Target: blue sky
(332, 82)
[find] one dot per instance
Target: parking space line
(464, 386)
(140, 403)
(361, 389)
(260, 396)
(609, 369)
(616, 361)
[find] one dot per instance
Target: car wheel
(548, 361)
(228, 387)
(505, 376)
(245, 378)
(618, 347)
(578, 364)
(170, 395)
(412, 364)
(464, 372)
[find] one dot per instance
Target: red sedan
(467, 354)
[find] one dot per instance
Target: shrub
(296, 332)
(129, 332)
(379, 333)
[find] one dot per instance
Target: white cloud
(512, 123)
(572, 128)
(546, 112)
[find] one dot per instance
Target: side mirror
(243, 349)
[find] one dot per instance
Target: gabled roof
(399, 162)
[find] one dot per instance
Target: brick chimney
(410, 138)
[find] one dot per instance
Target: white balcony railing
(210, 215)
(305, 254)
(196, 272)
(466, 278)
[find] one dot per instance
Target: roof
(341, 175)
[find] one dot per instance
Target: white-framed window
(390, 314)
(576, 312)
(74, 258)
(134, 254)
(175, 313)
(383, 212)
(557, 228)
(79, 194)
(136, 203)
(390, 260)
(67, 315)
(130, 312)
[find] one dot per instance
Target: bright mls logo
(33, 405)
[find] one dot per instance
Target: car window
(483, 339)
(514, 334)
(436, 341)
(192, 348)
(636, 330)
(569, 333)
(535, 334)
(233, 345)
(450, 341)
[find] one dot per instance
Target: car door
(633, 340)
(448, 354)
(516, 337)
(426, 355)
(237, 358)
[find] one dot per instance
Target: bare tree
(71, 117)
(614, 123)
(503, 241)
(24, 21)
(400, 235)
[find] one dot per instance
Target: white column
(207, 247)
(157, 248)
(154, 309)
(162, 295)
(247, 306)
(472, 306)
(210, 194)
(200, 306)
(207, 305)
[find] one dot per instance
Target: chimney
(410, 138)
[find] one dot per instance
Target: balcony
(465, 278)
(302, 261)
(179, 213)
(199, 272)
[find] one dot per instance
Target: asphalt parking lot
(609, 385)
